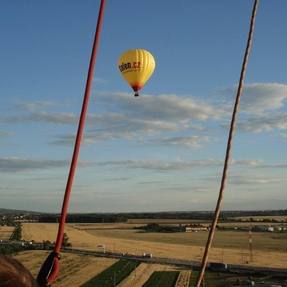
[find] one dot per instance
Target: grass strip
(112, 275)
(162, 279)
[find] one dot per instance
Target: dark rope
(229, 146)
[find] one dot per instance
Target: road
(239, 269)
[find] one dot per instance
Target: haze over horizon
(164, 150)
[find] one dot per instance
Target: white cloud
(260, 97)
(121, 116)
(42, 116)
(259, 102)
(16, 164)
(188, 141)
(100, 81)
(67, 140)
(57, 118)
(265, 123)
(240, 179)
(162, 107)
(130, 118)
(5, 134)
(160, 165)
(35, 105)
(163, 165)
(247, 162)
(119, 127)
(283, 135)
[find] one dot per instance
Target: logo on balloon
(127, 66)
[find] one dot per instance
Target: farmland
(6, 232)
(75, 269)
(217, 279)
(223, 239)
(183, 278)
(162, 278)
(231, 246)
(113, 275)
(141, 274)
(91, 271)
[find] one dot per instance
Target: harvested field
(6, 232)
(75, 269)
(232, 247)
(140, 275)
(223, 239)
(183, 279)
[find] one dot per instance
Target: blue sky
(163, 150)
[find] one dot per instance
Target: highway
(231, 268)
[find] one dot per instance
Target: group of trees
(15, 244)
(17, 233)
(47, 244)
(10, 249)
(154, 227)
(7, 248)
(189, 215)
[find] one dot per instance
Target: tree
(66, 242)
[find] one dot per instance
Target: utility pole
(250, 245)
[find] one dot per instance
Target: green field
(162, 279)
(113, 275)
(217, 279)
(165, 221)
(193, 277)
(223, 239)
(214, 279)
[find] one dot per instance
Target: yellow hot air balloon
(136, 66)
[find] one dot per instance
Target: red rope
(80, 130)
(229, 146)
(52, 273)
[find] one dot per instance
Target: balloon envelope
(136, 66)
